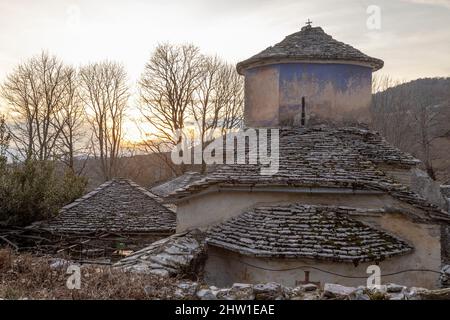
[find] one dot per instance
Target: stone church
(342, 198)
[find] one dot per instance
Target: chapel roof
(323, 157)
(310, 44)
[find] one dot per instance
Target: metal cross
(308, 23)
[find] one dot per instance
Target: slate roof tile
(305, 231)
(310, 44)
(168, 187)
(323, 157)
(119, 205)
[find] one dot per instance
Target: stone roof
(180, 253)
(323, 157)
(310, 44)
(304, 231)
(120, 206)
(170, 186)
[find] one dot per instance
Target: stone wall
(419, 182)
(422, 184)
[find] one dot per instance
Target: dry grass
(26, 276)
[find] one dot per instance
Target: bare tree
(71, 119)
(218, 101)
(4, 139)
(390, 112)
(35, 92)
(167, 86)
(232, 98)
(412, 116)
(105, 93)
(429, 116)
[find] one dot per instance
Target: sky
(411, 36)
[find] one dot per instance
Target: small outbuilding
(118, 216)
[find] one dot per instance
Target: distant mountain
(439, 86)
(415, 116)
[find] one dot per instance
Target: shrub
(35, 190)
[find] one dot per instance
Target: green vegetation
(33, 190)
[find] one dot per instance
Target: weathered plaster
(332, 92)
(218, 206)
(261, 97)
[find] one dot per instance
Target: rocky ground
(23, 276)
(274, 291)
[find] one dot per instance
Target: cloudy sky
(411, 36)
(413, 39)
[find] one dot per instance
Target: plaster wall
(261, 97)
(332, 91)
(217, 206)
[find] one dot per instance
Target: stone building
(342, 199)
(344, 175)
(117, 212)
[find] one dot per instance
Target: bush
(35, 190)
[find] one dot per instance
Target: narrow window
(303, 112)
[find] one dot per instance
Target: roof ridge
(88, 195)
(149, 194)
(124, 206)
(143, 190)
(108, 183)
